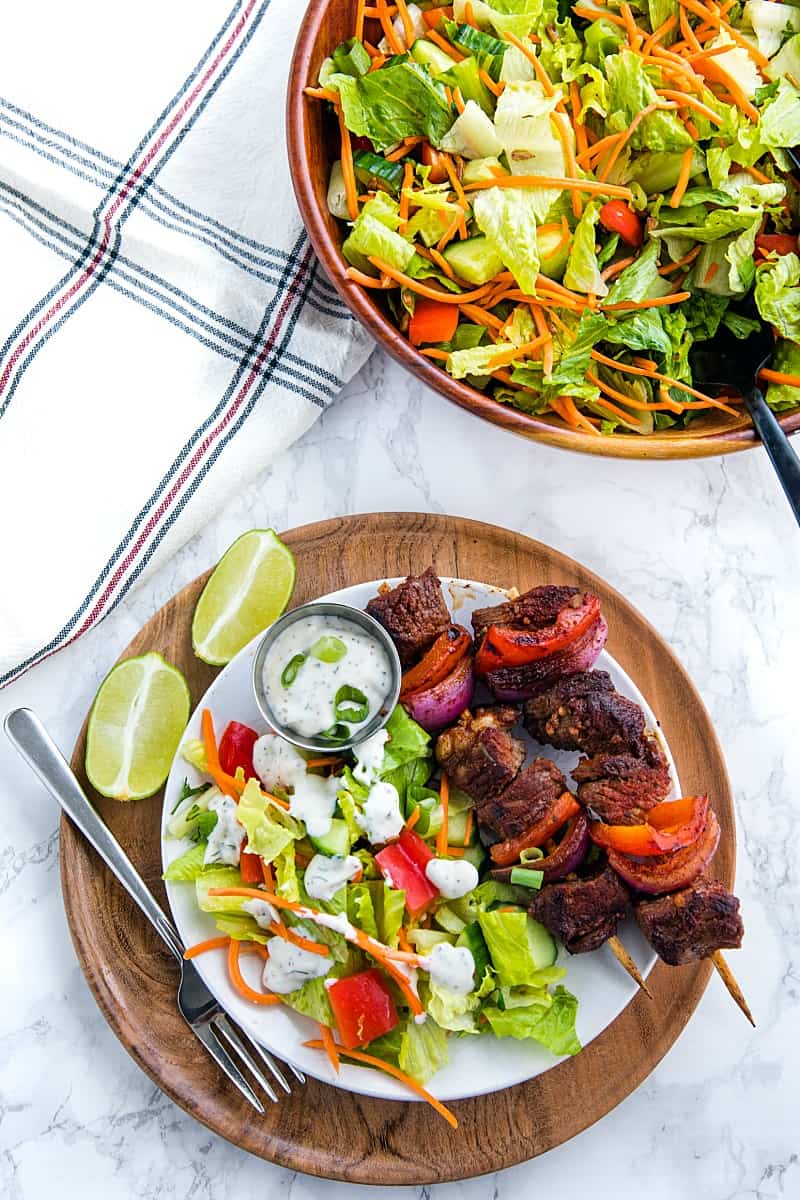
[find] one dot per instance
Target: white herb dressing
(453, 879)
(307, 704)
(325, 876)
(289, 967)
(451, 968)
(262, 912)
(369, 757)
(381, 819)
(225, 840)
(313, 798)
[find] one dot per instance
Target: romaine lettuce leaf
(266, 835)
(629, 92)
(407, 740)
(782, 396)
(423, 1050)
(641, 331)
(582, 272)
(193, 751)
(388, 905)
(711, 226)
(507, 938)
(360, 909)
(777, 294)
(312, 1001)
(374, 234)
(188, 866)
(553, 1026)
(452, 1011)
(528, 137)
(640, 280)
(396, 102)
(508, 217)
(241, 928)
(780, 118)
(219, 877)
(286, 884)
(771, 22)
(503, 16)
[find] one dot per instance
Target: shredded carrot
(348, 173)
(658, 302)
(413, 816)
(543, 331)
(377, 63)
(289, 935)
(324, 760)
(441, 837)
(711, 272)
(496, 88)
(371, 50)
(713, 18)
(388, 28)
(458, 100)
(548, 181)
(599, 148)
(266, 871)
(408, 176)
(685, 100)
(442, 263)
(563, 130)
(615, 268)
(215, 943)
(406, 148)
(631, 401)
(577, 419)
(780, 377)
(640, 116)
(666, 379)
(589, 14)
(390, 1069)
(322, 94)
(541, 74)
(226, 783)
(758, 175)
(687, 31)
(468, 828)
(433, 352)
(647, 363)
(469, 15)
(631, 28)
(657, 34)
(480, 317)
(709, 52)
(682, 262)
(710, 69)
(450, 232)
(239, 983)
(577, 124)
(367, 281)
(360, 21)
(683, 178)
(407, 22)
(443, 44)
(329, 1046)
(432, 293)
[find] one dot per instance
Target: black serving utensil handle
(778, 447)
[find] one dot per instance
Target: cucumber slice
(351, 58)
(335, 843)
(447, 919)
(475, 854)
(423, 940)
(553, 250)
(465, 76)
(472, 937)
(474, 260)
(457, 828)
(374, 171)
(427, 54)
(541, 944)
(486, 49)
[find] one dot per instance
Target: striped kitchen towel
(165, 327)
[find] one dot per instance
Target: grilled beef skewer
(413, 614)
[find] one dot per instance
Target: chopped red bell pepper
(250, 868)
(503, 647)
(669, 826)
(363, 1007)
(776, 243)
(402, 865)
(448, 650)
(432, 321)
(236, 749)
(564, 809)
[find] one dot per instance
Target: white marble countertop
(708, 551)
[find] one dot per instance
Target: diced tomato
(403, 866)
(432, 321)
(363, 1007)
(617, 217)
(431, 158)
(236, 749)
(250, 867)
(776, 243)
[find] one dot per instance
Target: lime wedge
(249, 589)
(136, 723)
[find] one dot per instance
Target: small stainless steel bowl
(344, 612)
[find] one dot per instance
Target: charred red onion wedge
(520, 683)
(668, 872)
(438, 706)
(567, 856)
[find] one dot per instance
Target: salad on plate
(559, 201)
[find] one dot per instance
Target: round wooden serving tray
(319, 1129)
(312, 140)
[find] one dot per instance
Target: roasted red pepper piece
(403, 867)
(236, 749)
(565, 807)
(669, 826)
(669, 872)
(363, 1007)
(448, 650)
(503, 647)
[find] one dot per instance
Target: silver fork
(197, 1006)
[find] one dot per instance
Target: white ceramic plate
(477, 1064)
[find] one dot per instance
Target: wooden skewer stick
(625, 960)
(727, 977)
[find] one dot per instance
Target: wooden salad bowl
(312, 145)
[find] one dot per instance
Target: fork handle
(30, 738)
(778, 447)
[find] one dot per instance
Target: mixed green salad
(371, 916)
(558, 201)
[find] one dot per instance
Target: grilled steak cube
(622, 788)
(523, 803)
(479, 754)
(691, 924)
(585, 712)
(413, 614)
(533, 610)
(582, 913)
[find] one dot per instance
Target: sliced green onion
(532, 854)
(337, 733)
(289, 673)
(525, 877)
(343, 712)
(328, 649)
